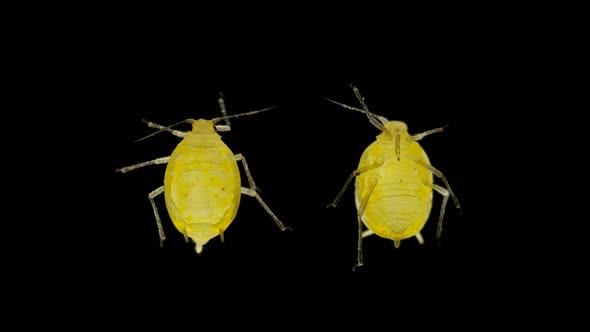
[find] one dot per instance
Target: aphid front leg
(252, 191)
(372, 183)
(158, 222)
(445, 194)
(163, 160)
(227, 126)
(420, 136)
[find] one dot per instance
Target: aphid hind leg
(253, 192)
(440, 175)
(163, 160)
(445, 194)
(153, 194)
(372, 182)
(368, 232)
(419, 238)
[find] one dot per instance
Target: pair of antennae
(377, 120)
(214, 120)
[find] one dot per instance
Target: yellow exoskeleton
(202, 185)
(394, 183)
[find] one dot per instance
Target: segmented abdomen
(397, 210)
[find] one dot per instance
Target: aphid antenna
(373, 120)
(163, 129)
(215, 120)
(376, 120)
(381, 118)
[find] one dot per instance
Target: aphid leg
(368, 232)
(240, 157)
(176, 133)
(440, 175)
(227, 126)
(252, 191)
(221, 235)
(372, 182)
(355, 173)
(158, 222)
(445, 193)
(158, 161)
(419, 238)
(420, 136)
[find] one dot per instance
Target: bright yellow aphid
(202, 185)
(394, 183)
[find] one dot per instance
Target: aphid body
(399, 191)
(394, 183)
(202, 184)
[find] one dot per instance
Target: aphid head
(393, 129)
(395, 134)
(203, 127)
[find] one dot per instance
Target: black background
(513, 154)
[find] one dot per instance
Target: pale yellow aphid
(394, 183)
(202, 185)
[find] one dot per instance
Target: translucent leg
(368, 232)
(420, 136)
(372, 184)
(227, 126)
(445, 194)
(440, 175)
(163, 160)
(158, 222)
(419, 238)
(252, 191)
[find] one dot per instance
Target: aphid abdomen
(397, 210)
(400, 203)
